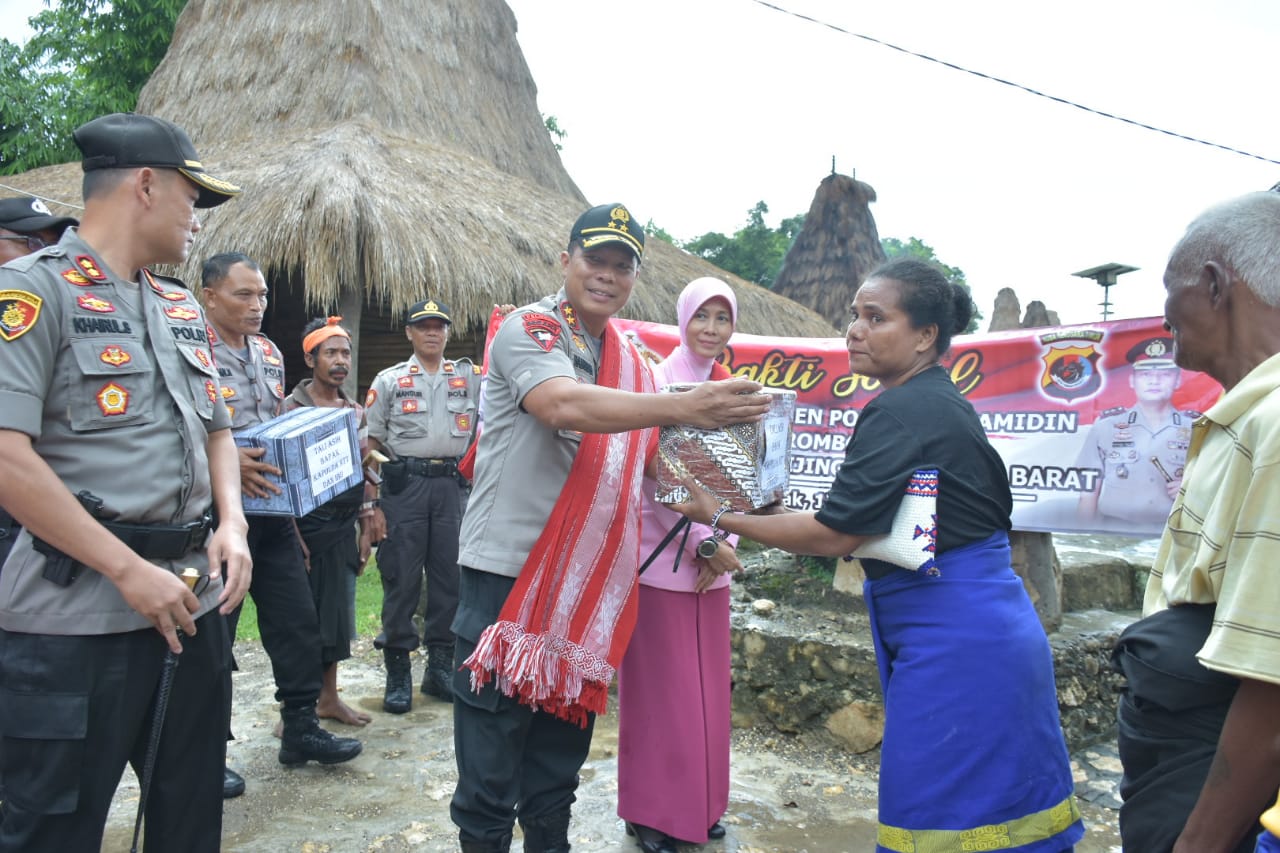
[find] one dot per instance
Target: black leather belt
(447, 467)
(161, 541)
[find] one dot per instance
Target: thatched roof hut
(389, 150)
(834, 251)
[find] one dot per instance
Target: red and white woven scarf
(566, 623)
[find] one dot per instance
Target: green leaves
(755, 252)
(86, 58)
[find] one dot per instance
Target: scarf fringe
(548, 673)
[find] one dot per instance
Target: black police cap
(608, 223)
(130, 140)
(428, 309)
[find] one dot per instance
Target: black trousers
(513, 762)
(423, 523)
(74, 710)
(1171, 714)
(286, 611)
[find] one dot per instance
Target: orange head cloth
(328, 330)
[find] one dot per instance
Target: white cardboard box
(317, 449)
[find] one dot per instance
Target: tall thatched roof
(836, 248)
(392, 147)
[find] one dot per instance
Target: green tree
(557, 134)
(917, 248)
(755, 252)
(85, 59)
(653, 229)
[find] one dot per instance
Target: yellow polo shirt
(1222, 541)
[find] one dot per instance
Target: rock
(859, 725)
(763, 607)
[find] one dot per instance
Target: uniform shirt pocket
(111, 386)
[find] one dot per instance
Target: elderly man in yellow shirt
(1200, 717)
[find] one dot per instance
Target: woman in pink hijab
(673, 685)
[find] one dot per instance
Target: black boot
(547, 834)
(399, 696)
(303, 740)
(437, 678)
(503, 845)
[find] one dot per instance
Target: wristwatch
(707, 547)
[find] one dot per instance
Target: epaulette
(1192, 413)
(1113, 411)
(27, 261)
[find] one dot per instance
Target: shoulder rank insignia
(18, 313)
(543, 329)
(475, 369)
(90, 268)
(97, 304)
(570, 315)
(112, 399)
(75, 277)
(115, 356)
(447, 367)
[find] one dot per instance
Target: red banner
(1090, 442)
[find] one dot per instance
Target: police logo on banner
(1071, 364)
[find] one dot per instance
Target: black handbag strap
(682, 524)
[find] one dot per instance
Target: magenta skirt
(673, 714)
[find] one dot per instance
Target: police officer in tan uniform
(422, 414)
(251, 383)
(1140, 450)
(115, 453)
(26, 226)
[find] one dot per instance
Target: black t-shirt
(923, 423)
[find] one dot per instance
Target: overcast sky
(691, 111)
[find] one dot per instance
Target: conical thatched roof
(391, 147)
(836, 248)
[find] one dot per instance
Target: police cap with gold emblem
(428, 309)
(29, 215)
(608, 223)
(1152, 354)
(130, 140)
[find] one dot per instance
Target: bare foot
(342, 712)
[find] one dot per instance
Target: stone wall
(803, 659)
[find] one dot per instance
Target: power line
(1027, 89)
(30, 194)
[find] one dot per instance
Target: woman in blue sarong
(973, 756)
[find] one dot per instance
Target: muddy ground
(789, 794)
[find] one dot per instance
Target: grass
(368, 607)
